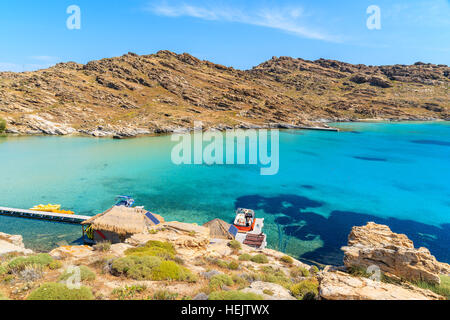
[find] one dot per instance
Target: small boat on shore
(248, 229)
(54, 208)
(245, 220)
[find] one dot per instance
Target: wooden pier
(39, 215)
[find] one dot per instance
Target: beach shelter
(219, 229)
(119, 223)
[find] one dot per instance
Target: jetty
(47, 216)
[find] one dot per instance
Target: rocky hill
(132, 94)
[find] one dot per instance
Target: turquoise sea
(395, 174)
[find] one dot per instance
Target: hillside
(132, 95)
(179, 261)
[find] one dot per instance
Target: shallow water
(395, 174)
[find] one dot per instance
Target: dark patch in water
(283, 220)
(307, 186)
(370, 159)
(334, 230)
(432, 142)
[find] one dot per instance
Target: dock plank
(39, 215)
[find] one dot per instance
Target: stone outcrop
(72, 252)
(270, 291)
(11, 244)
(182, 235)
(342, 286)
(393, 253)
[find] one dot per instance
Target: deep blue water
(394, 174)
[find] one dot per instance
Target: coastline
(322, 125)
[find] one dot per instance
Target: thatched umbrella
(219, 229)
(123, 221)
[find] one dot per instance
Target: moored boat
(245, 220)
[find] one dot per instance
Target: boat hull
(246, 229)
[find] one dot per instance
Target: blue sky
(241, 34)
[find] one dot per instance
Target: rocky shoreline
(47, 129)
(215, 268)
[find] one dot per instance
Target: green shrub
(234, 295)
(314, 270)
(233, 265)
(268, 292)
(55, 265)
(19, 264)
(86, 274)
(235, 245)
(245, 257)
(151, 268)
(136, 267)
(239, 280)
(103, 246)
(305, 290)
(260, 258)
(2, 125)
(358, 271)
(164, 295)
(31, 273)
(299, 272)
(164, 250)
(287, 260)
(8, 278)
(443, 289)
(3, 270)
(272, 275)
(219, 281)
(128, 292)
(220, 263)
(169, 270)
(59, 291)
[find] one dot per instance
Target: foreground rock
(393, 253)
(11, 244)
(73, 252)
(341, 286)
(270, 291)
(182, 235)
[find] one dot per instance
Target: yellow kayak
(55, 208)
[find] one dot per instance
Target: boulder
(12, 243)
(118, 249)
(76, 252)
(201, 296)
(182, 235)
(277, 292)
(380, 82)
(393, 253)
(342, 286)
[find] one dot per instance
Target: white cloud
(284, 19)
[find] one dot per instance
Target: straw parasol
(219, 229)
(121, 220)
